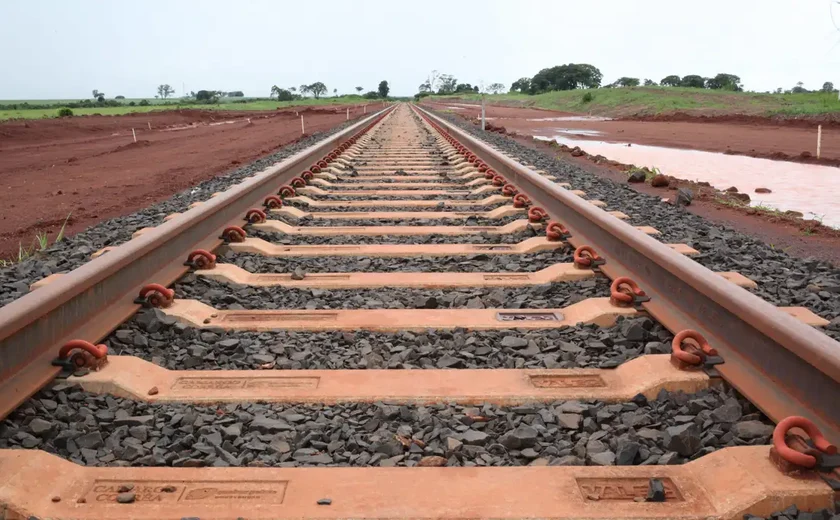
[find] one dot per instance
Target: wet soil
(792, 235)
(769, 138)
(91, 169)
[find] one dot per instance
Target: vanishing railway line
(402, 294)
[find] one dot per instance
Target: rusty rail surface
(93, 299)
(784, 367)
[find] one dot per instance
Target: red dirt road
(751, 137)
(90, 167)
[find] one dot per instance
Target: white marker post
(483, 114)
(134, 134)
(819, 140)
(364, 111)
(348, 113)
(302, 130)
(150, 124)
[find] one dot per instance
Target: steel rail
(92, 300)
(784, 367)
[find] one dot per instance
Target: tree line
(318, 89)
(443, 84)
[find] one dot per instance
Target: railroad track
(405, 295)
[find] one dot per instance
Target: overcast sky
(54, 49)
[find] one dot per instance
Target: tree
(304, 90)
(335, 92)
(281, 93)
(207, 96)
(359, 89)
(496, 88)
(384, 89)
(725, 82)
(671, 81)
(425, 88)
(650, 83)
(827, 87)
(463, 87)
(371, 94)
(119, 97)
(799, 89)
(447, 84)
(778, 90)
(627, 82)
(566, 77)
(236, 93)
(693, 81)
(292, 89)
(165, 91)
(432, 80)
(521, 85)
(97, 95)
(318, 89)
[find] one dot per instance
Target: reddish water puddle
(811, 189)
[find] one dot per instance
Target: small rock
(324, 501)
(523, 436)
(474, 437)
(570, 421)
(432, 461)
(752, 430)
(763, 190)
(731, 189)
(605, 458)
(683, 439)
(514, 342)
(660, 181)
(39, 426)
(637, 176)
(684, 197)
(298, 274)
(126, 498)
(656, 491)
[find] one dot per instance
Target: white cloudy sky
(64, 49)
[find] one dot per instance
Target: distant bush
(372, 95)
(119, 97)
(65, 112)
(588, 97)
(131, 103)
(144, 103)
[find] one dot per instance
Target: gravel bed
(106, 431)
(352, 182)
(157, 338)
(74, 251)
(344, 198)
(352, 209)
(409, 222)
(783, 280)
(793, 513)
(475, 238)
(431, 264)
(237, 297)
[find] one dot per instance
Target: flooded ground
(811, 189)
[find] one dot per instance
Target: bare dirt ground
(741, 135)
(91, 169)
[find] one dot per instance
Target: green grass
(225, 104)
(662, 100)
(40, 243)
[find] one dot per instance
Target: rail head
(90, 301)
(784, 366)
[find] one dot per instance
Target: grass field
(155, 104)
(625, 102)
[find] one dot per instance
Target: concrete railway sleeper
(402, 294)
